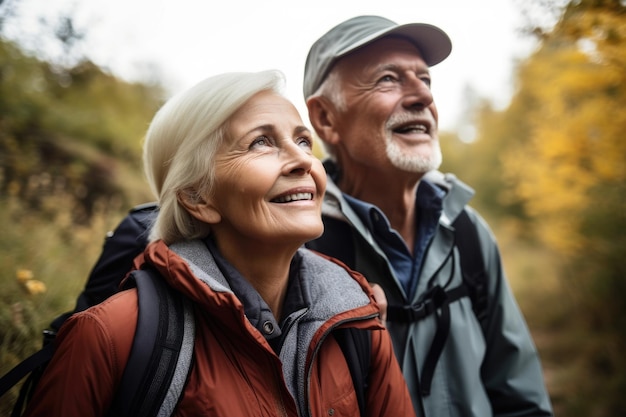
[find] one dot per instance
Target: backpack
(156, 372)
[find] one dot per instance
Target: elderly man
(463, 344)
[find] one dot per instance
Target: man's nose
(417, 93)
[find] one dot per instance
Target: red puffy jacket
(235, 372)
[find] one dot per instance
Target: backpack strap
(160, 358)
(356, 345)
(437, 298)
(474, 279)
(162, 351)
(25, 367)
(33, 366)
(472, 265)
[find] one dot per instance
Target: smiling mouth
(293, 197)
(413, 128)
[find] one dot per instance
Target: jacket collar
(458, 194)
(333, 295)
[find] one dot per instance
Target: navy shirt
(429, 202)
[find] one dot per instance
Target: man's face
(389, 121)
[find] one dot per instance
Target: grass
(46, 249)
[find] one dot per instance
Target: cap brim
(433, 43)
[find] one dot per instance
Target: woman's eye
(260, 141)
(305, 142)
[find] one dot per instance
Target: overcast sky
(188, 40)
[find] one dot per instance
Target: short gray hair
(182, 141)
(331, 89)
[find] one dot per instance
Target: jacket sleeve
(387, 393)
(511, 370)
(91, 353)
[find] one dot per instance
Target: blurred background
(532, 104)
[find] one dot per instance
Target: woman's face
(269, 186)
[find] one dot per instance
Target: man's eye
(387, 79)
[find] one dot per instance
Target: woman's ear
(199, 207)
(322, 117)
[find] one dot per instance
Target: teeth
(418, 128)
(294, 197)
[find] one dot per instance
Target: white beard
(413, 163)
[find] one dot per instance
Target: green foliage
(69, 170)
(76, 131)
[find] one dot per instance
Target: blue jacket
(490, 371)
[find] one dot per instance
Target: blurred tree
(576, 115)
(82, 140)
(565, 163)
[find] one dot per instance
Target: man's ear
(322, 117)
(199, 207)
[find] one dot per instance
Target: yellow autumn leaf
(24, 275)
(34, 287)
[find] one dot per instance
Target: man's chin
(416, 164)
(420, 163)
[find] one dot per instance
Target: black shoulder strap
(33, 366)
(472, 264)
(474, 285)
(474, 279)
(356, 345)
(162, 350)
(160, 357)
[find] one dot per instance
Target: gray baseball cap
(433, 43)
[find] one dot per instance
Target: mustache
(421, 116)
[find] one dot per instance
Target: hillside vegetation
(70, 167)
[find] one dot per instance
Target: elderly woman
(240, 192)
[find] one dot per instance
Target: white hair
(183, 139)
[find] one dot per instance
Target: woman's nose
(299, 159)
